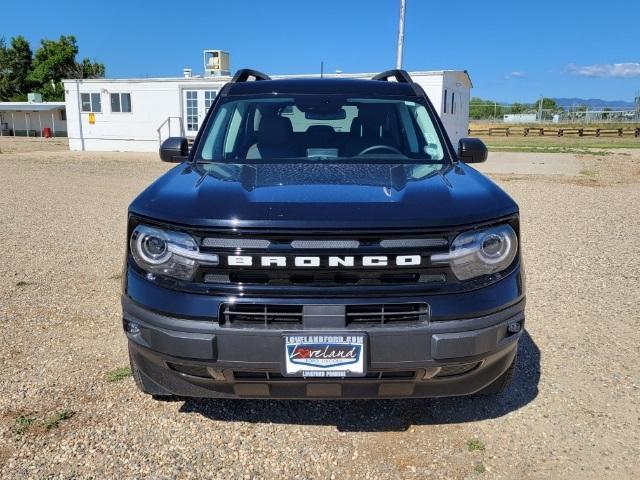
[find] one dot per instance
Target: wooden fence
(555, 132)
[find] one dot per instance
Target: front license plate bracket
(324, 355)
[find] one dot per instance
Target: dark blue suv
(322, 239)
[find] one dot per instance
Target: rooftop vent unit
(187, 73)
(216, 63)
(34, 97)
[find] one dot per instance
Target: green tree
(517, 108)
(480, 109)
(56, 60)
(547, 104)
(4, 69)
(92, 69)
(549, 108)
(15, 65)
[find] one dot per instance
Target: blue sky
(514, 51)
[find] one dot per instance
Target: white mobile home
(33, 119)
(138, 114)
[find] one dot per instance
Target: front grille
(287, 316)
(333, 244)
(260, 314)
(325, 276)
(306, 278)
(235, 242)
(325, 260)
(387, 313)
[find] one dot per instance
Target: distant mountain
(593, 103)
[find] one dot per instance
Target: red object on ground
(46, 132)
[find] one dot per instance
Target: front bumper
(449, 355)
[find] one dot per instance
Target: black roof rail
(244, 74)
(401, 76)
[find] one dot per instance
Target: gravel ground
(531, 163)
(32, 144)
(573, 412)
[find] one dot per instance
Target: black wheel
(501, 383)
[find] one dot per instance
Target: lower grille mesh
(256, 315)
(260, 314)
(387, 313)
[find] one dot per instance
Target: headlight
(483, 252)
(167, 252)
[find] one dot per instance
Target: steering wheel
(377, 147)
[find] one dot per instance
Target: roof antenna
(321, 68)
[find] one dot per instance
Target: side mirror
(472, 150)
(174, 150)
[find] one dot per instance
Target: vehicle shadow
(383, 415)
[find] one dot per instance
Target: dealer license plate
(324, 355)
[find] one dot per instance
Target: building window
(453, 102)
(192, 110)
(209, 97)
(91, 102)
(63, 115)
(446, 94)
(121, 103)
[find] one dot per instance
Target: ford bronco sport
(322, 239)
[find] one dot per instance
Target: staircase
(171, 127)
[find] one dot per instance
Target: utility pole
(540, 114)
(400, 45)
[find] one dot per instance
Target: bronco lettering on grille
(329, 261)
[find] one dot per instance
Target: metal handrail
(168, 123)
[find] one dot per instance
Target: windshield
(318, 128)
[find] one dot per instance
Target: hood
(323, 196)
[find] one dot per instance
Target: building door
(196, 104)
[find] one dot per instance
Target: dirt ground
(26, 144)
(66, 411)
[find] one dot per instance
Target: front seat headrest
(274, 130)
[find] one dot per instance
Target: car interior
(375, 125)
(318, 128)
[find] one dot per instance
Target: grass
(545, 149)
(479, 124)
(479, 468)
(119, 374)
(22, 424)
(22, 283)
(552, 144)
(475, 445)
(58, 418)
(569, 143)
(476, 124)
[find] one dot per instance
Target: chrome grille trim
(414, 242)
(235, 242)
(216, 278)
(318, 244)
